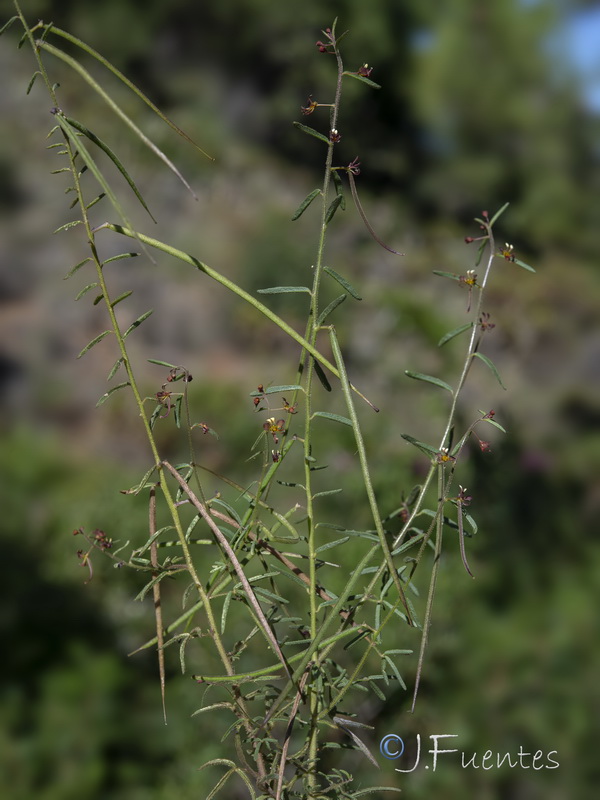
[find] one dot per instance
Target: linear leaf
(343, 283)
(326, 493)
(333, 207)
(162, 363)
(425, 448)
(68, 225)
(322, 377)
(339, 187)
(305, 204)
(128, 83)
(456, 332)
(119, 257)
(113, 157)
(311, 132)
(106, 395)
(137, 323)
(492, 366)
(94, 341)
(289, 387)
(334, 417)
(442, 274)
(362, 79)
(114, 368)
(75, 65)
(329, 545)
(284, 290)
(86, 289)
(74, 269)
(120, 297)
(419, 376)
(495, 424)
(327, 311)
(498, 213)
(523, 264)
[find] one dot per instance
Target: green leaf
(329, 545)
(119, 257)
(312, 132)
(290, 387)
(424, 448)
(495, 424)
(419, 376)
(362, 78)
(114, 368)
(7, 25)
(322, 377)
(68, 225)
(76, 66)
(326, 493)
(456, 332)
(94, 341)
(284, 290)
(32, 81)
(523, 264)
(106, 395)
(129, 84)
(137, 323)
(333, 207)
(339, 187)
(327, 311)
(492, 366)
(305, 204)
(498, 213)
(334, 417)
(86, 289)
(343, 283)
(442, 274)
(162, 363)
(120, 297)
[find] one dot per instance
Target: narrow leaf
(106, 149)
(68, 225)
(32, 81)
(322, 377)
(424, 448)
(492, 366)
(311, 132)
(456, 332)
(334, 417)
(343, 283)
(419, 376)
(523, 264)
(333, 207)
(114, 368)
(289, 387)
(284, 290)
(305, 204)
(162, 363)
(75, 65)
(443, 274)
(128, 83)
(498, 213)
(327, 311)
(362, 78)
(86, 289)
(120, 298)
(94, 341)
(326, 494)
(137, 323)
(119, 257)
(106, 395)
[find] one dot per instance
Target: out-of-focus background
(481, 103)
